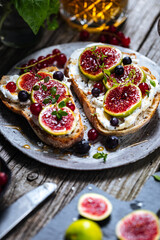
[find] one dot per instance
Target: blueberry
(82, 147)
(96, 92)
(114, 121)
(23, 96)
(112, 142)
(119, 70)
(127, 60)
(58, 75)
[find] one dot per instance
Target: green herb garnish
(36, 87)
(44, 87)
(147, 93)
(53, 90)
(46, 79)
(62, 104)
(156, 177)
(153, 83)
(100, 155)
(59, 114)
(107, 72)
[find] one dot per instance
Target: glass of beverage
(93, 15)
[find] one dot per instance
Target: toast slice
(60, 141)
(77, 81)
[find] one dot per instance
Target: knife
(17, 211)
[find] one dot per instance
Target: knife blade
(17, 211)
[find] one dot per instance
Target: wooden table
(123, 182)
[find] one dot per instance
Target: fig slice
(121, 101)
(93, 60)
(139, 224)
(26, 81)
(51, 123)
(45, 92)
(43, 74)
(132, 73)
(94, 206)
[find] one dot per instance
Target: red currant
(114, 41)
(55, 63)
(99, 85)
(112, 29)
(35, 108)
(84, 35)
(125, 41)
(40, 58)
(92, 134)
(11, 86)
(50, 60)
(144, 88)
(31, 62)
(71, 106)
(120, 35)
(102, 38)
(3, 178)
(62, 59)
(56, 51)
(23, 66)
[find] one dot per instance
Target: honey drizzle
(26, 146)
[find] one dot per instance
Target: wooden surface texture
(124, 182)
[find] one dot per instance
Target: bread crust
(90, 110)
(61, 142)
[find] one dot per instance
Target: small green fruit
(83, 229)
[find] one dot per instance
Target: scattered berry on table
(23, 96)
(3, 178)
(112, 142)
(35, 108)
(127, 60)
(82, 147)
(11, 86)
(113, 36)
(58, 75)
(92, 134)
(96, 92)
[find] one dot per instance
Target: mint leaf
(97, 155)
(156, 177)
(107, 72)
(47, 99)
(44, 87)
(62, 104)
(46, 79)
(153, 83)
(53, 90)
(100, 155)
(59, 114)
(62, 113)
(36, 87)
(57, 97)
